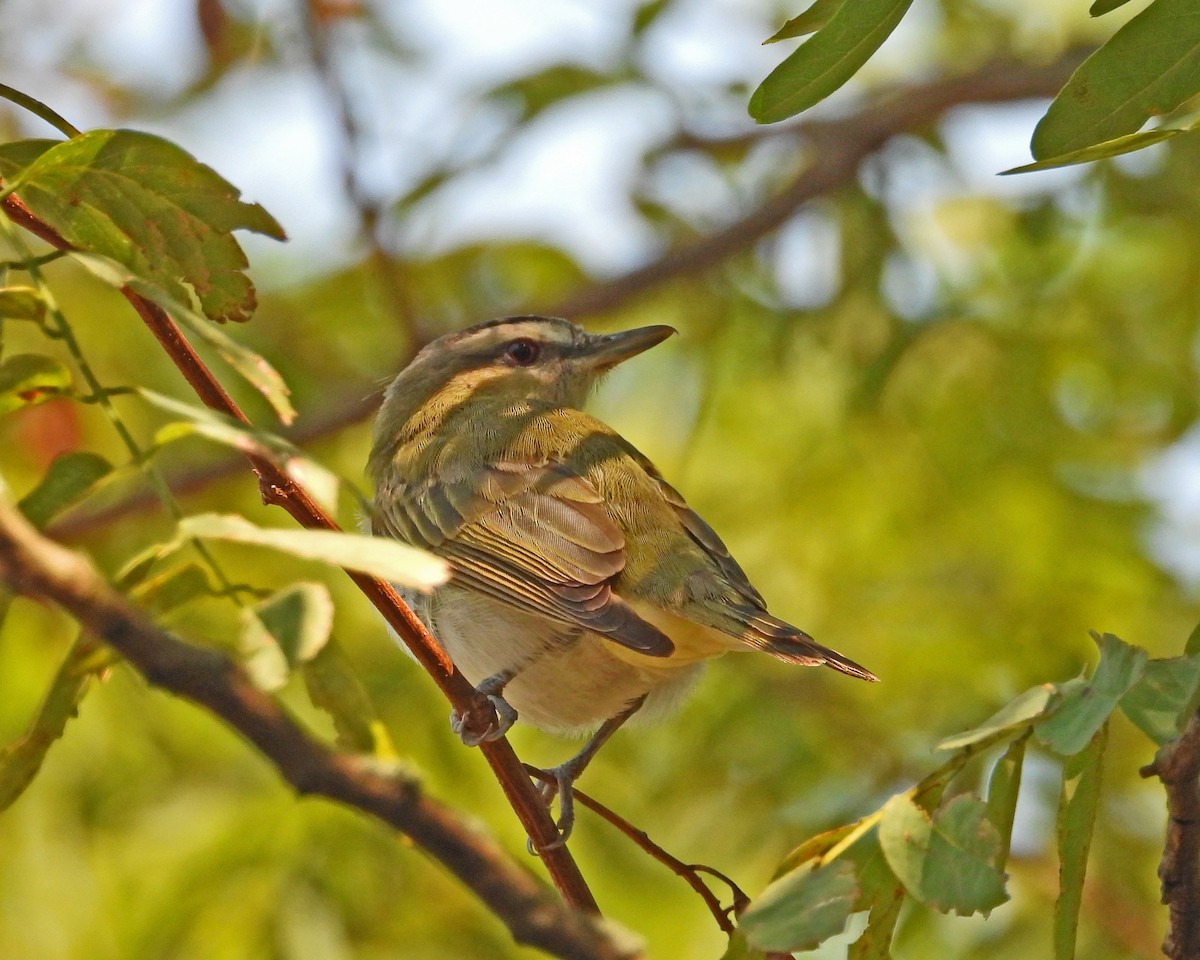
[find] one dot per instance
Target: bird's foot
(559, 782)
(489, 716)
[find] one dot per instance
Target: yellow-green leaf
(811, 20)
(29, 378)
(21, 303)
(68, 480)
(1077, 808)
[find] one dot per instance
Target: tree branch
(281, 490)
(1177, 765)
(837, 148)
(37, 567)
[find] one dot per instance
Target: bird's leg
(496, 712)
(560, 780)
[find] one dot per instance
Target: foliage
(934, 462)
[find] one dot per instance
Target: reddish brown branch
(690, 872)
(279, 489)
(37, 567)
(1177, 765)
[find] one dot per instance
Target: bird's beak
(604, 351)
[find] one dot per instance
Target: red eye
(523, 352)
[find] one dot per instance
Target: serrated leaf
(801, 910)
(1100, 151)
(251, 366)
(1086, 706)
(149, 205)
(67, 481)
(1004, 785)
(1019, 713)
(21, 303)
(947, 861)
(1163, 694)
(827, 59)
(811, 20)
(27, 379)
(283, 631)
(1077, 808)
(1148, 68)
(334, 686)
(376, 556)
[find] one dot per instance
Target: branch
(39, 568)
(1177, 765)
(281, 490)
(837, 148)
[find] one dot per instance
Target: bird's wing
(536, 536)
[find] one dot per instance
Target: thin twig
(690, 872)
(278, 488)
(38, 567)
(1177, 765)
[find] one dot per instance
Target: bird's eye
(523, 352)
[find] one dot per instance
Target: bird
(583, 588)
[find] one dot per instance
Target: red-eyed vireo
(583, 587)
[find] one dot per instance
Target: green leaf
(541, 90)
(1086, 706)
(947, 861)
(21, 760)
(803, 909)
(251, 366)
(1004, 785)
(285, 630)
(334, 686)
(1149, 67)
(1017, 714)
(172, 588)
(739, 949)
(828, 59)
(1165, 691)
(875, 942)
(811, 20)
(376, 556)
(149, 205)
(1101, 7)
(27, 379)
(1077, 807)
(1101, 151)
(21, 303)
(68, 480)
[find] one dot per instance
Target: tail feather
(792, 645)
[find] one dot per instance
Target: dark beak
(604, 351)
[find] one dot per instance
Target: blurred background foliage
(946, 421)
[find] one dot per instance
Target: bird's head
(520, 358)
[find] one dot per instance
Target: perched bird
(583, 588)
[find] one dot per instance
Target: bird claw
(491, 709)
(558, 782)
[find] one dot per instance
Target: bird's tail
(792, 645)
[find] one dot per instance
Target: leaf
(947, 861)
(1148, 68)
(875, 942)
(21, 760)
(68, 480)
(1031, 706)
(334, 686)
(251, 366)
(803, 909)
(1101, 7)
(285, 630)
(27, 379)
(541, 90)
(816, 847)
(1100, 151)
(21, 303)
(149, 205)
(172, 588)
(1077, 807)
(376, 556)
(811, 20)
(828, 59)
(739, 949)
(1163, 694)
(1004, 785)
(1086, 706)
